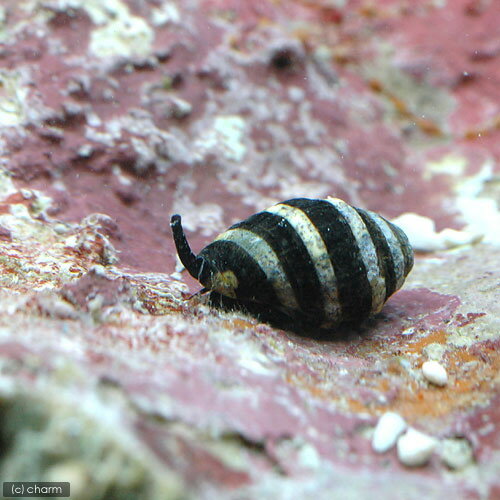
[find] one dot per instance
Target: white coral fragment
(421, 232)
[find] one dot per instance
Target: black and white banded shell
(318, 259)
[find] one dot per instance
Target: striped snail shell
(318, 259)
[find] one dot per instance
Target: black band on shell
(355, 293)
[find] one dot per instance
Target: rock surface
(113, 115)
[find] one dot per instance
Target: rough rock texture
(115, 114)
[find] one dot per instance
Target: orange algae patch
(461, 355)
(436, 336)
(473, 379)
(427, 126)
(237, 324)
(241, 324)
(357, 406)
(481, 131)
(466, 387)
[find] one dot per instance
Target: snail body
(319, 259)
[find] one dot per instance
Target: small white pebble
(415, 448)
(434, 372)
(387, 431)
(457, 453)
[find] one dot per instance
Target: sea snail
(319, 259)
